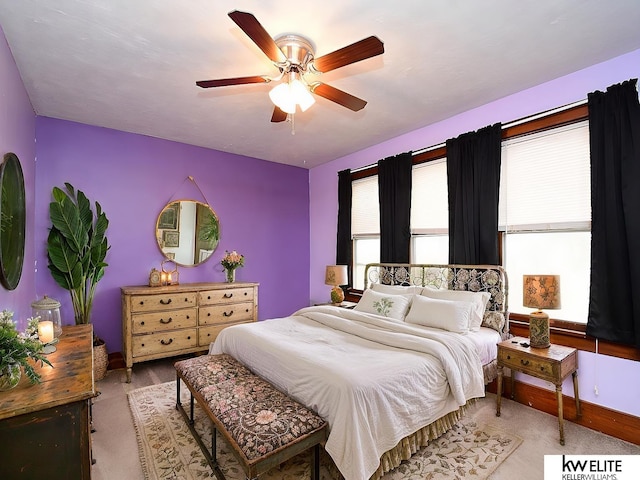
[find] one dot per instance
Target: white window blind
(429, 198)
(365, 213)
(545, 180)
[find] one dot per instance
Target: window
(545, 212)
(430, 213)
(365, 227)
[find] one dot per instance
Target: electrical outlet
(595, 390)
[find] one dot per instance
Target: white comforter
(375, 381)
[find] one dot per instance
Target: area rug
(168, 451)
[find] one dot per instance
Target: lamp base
(337, 295)
(539, 330)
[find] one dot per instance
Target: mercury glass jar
(48, 309)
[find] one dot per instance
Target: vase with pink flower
(230, 262)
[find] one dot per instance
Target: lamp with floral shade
(540, 291)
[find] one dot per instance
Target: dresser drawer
(230, 313)
(227, 295)
(163, 321)
(162, 301)
(207, 335)
(540, 368)
(155, 343)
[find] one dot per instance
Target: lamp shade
(336, 275)
(541, 291)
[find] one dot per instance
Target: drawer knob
(524, 362)
(508, 357)
(142, 323)
(228, 295)
(165, 302)
(165, 342)
(163, 321)
(141, 302)
(227, 314)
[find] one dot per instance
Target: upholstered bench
(262, 426)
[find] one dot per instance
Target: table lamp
(336, 275)
(540, 291)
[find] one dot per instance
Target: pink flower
(265, 417)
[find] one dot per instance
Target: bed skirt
(409, 445)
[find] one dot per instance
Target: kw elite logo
(591, 467)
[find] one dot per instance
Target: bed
(393, 373)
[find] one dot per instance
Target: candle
(163, 278)
(45, 331)
(168, 279)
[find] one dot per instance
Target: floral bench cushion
(260, 418)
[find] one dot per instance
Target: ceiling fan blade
(223, 82)
(366, 48)
(278, 115)
(338, 96)
(256, 32)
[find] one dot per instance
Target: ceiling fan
(293, 55)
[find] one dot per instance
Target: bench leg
(315, 462)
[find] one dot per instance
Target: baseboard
(596, 417)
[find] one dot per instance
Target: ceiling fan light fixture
(281, 97)
(287, 95)
(301, 94)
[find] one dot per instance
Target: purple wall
(17, 135)
(262, 208)
(562, 91)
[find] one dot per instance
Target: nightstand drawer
(541, 368)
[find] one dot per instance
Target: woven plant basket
(100, 361)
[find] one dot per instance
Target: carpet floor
(168, 450)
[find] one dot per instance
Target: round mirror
(12, 221)
(187, 232)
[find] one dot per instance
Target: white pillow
(450, 315)
(479, 299)
(396, 289)
(393, 307)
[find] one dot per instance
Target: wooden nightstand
(552, 364)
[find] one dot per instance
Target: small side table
(552, 364)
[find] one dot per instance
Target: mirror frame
(168, 227)
(12, 221)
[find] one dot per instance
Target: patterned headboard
(474, 278)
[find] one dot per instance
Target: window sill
(570, 334)
(573, 334)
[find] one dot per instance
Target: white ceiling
(131, 65)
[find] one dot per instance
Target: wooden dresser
(45, 428)
(159, 322)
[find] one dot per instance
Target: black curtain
(473, 177)
(614, 132)
(344, 245)
(394, 192)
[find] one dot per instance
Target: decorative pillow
(452, 315)
(394, 307)
(494, 320)
(479, 299)
(396, 289)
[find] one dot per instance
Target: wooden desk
(45, 428)
(553, 364)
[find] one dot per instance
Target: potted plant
(16, 349)
(76, 248)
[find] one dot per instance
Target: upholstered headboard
(475, 278)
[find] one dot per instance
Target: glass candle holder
(48, 309)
